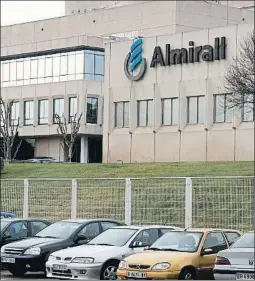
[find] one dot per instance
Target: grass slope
(66, 170)
(217, 202)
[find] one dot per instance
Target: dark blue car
(7, 215)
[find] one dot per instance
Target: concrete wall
(148, 19)
(50, 147)
(81, 89)
(202, 142)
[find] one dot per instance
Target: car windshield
(246, 241)
(114, 237)
(179, 241)
(61, 230)
(4, 224)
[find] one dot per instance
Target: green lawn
(217, 202)
(66, 170)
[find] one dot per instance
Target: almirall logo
(135, 63)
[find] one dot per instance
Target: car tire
(109, 271)
(17, 271)
(187, 274)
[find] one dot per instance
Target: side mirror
(137, 244)
(207, 251)
(80, 238)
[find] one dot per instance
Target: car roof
(80, 220)
(210, 229)
(138, 227)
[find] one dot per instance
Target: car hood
(34, 241)
(153, 257)
(98, 252)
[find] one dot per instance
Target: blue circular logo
(135, 62)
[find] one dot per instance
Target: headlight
(34, 251)
(51, 258)
(123, 265)
(161, 266)
(82, 260)
(2, 249)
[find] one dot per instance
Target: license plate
(59, 267)
(245, 276)
(133, 274)
(7, 260)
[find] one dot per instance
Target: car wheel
(187, 274)
(109, 271)
(17, 271)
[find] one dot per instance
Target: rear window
(232, 237)
(246, 241)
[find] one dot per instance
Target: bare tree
(68, 137)
(239, 78)
(8, 130)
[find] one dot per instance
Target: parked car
(182, 255)
(14, 229)
(99, 259)
(42, 159)
(30, 255)
(7, 215)
(237, 262)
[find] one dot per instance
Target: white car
(100, 258)
(237, 262)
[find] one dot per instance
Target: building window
(58, 108)
(72, 108)
(170, 111)
(2, 116)
(28, 112)
(196, 110)
(43, 112)
(94, 65)
(145, 113)
(248, 109)
(121, 114)
(222, 110)
(15, 113)
(92, 110)
(64, 66)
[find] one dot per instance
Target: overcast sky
(13, 12)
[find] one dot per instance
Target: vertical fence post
(74, 199)
(25, 199)
(128, 201)
(188, 202)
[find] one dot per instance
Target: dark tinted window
(232, 237)
(215, 241)
(91, 230)
(148, 236)
(108, 224)
(37, 226)
(17, 230)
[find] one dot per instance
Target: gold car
(183, 255)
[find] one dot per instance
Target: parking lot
(5, 275)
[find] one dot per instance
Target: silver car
(100, 258)
(237, 262)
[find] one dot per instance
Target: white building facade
(78, 67)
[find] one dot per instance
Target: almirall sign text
(135, 64)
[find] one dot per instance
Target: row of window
(58, 109)
(86, 64)
(170, 111)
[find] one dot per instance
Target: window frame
(15, 121)
(54, 107)
(123, 114)
(97, 103)
(197, 113)
(25, 119)
(243, 112)
(71, 117)
(39, 112)
(171, 113)
(147, 115)
(225, 110)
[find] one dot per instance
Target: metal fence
(198, 202)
